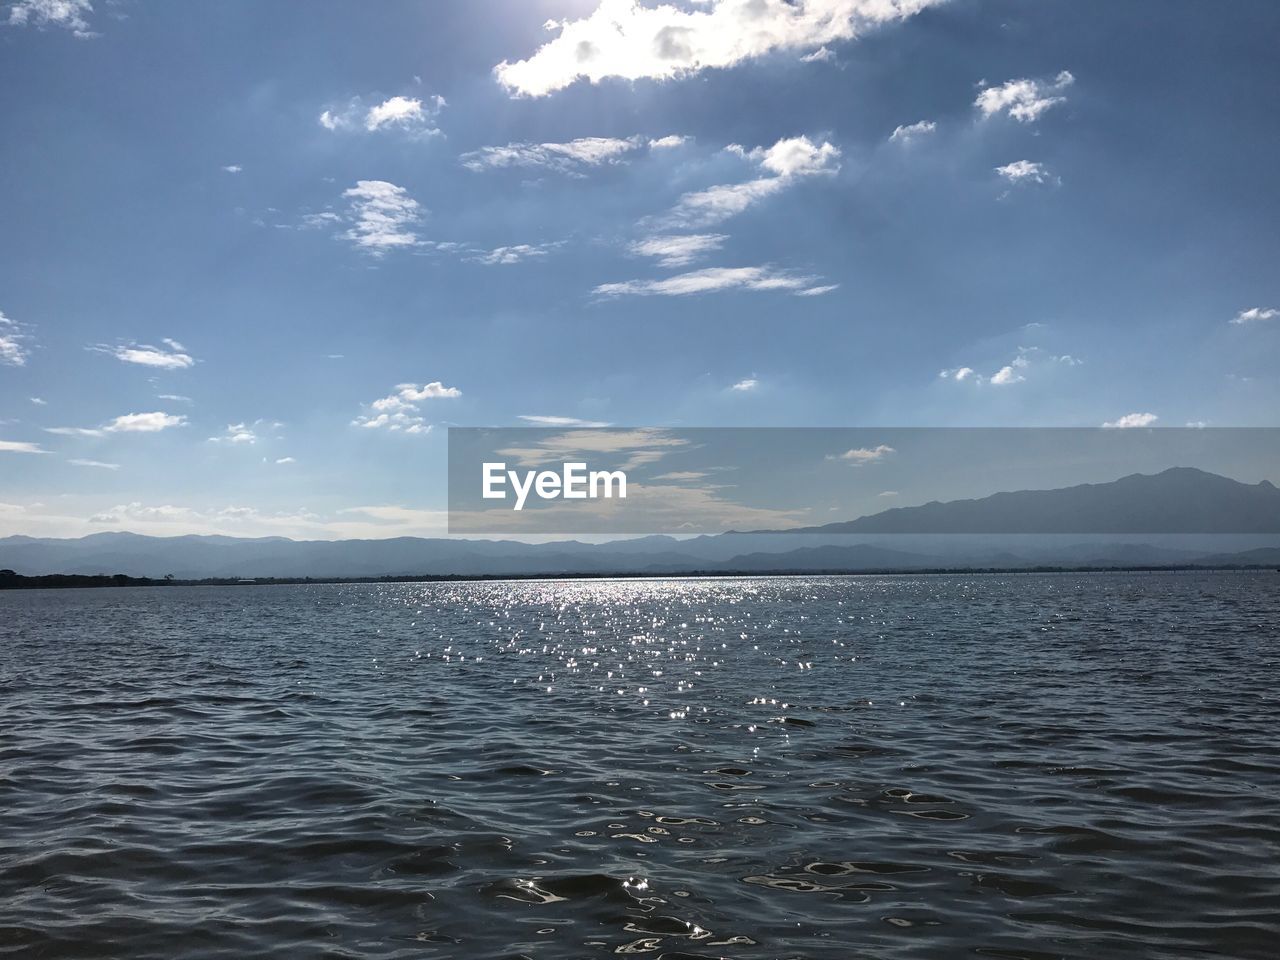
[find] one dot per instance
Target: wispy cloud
(678, 250)
(709, 280)
(237, 433)
(152, 422)
(171, 356)
(13, 350)
(573, 157)
(1130, 420)
(1255, 315)
(1026, 99)
(94, 463)
(285, 460)
(821, 55)
(517, 253)
(70, 14)
(20, 446)
(546, 421)
(746, 386)
(412, 115)
(39, 401)
(383, 216)
(399, 411)
(912, 131)
(788, 161)
(635, 448)
(632, 41)
(233, 168)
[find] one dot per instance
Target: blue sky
(257, 256)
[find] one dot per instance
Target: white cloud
(95, 463)
(39, 401)
(572, 158)
(383, 216)
(20, 446)
(912, 131)
(1255, 314)
(144, 422)
(798, 157)
(76, 431)
(681, 476)
(746, 385)
(789, 160)
(821, 55)
(513, 254)
(1008, 374)
(817, 291)
(399, 411)
(1014, 371)
(863, 455)
(1132, 420)
(428, 391)
(13, 351)
(71, 14)
(171, 356)
(678, 250)
(887, 493)
(127, 423)
(543, 421)
(408, 114)
(631, 41)
(704, 208)
(404, 112)
(639, 447)
(1024, 171)
(285, 460)
(398, 421)
(1024, 100)
(237, 433)
(709, 280)
(233, 168)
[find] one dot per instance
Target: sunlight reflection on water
(1016, 766)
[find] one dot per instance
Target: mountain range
(1185, 517)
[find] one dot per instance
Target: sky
(258, 256)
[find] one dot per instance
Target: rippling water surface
(1028, 766)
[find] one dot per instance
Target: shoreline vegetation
(10, 580)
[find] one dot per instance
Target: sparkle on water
(1025, 766)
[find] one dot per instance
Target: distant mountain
(1087, 525)
(1178, 500)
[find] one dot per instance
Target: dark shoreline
(14, 581)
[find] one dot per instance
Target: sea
(1017, 766)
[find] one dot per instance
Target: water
(1029, 766)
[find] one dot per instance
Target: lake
(1006, 766)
